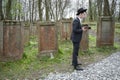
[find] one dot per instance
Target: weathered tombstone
(33, 29)
(105, 31)
(58, 25)
(47, 38)
(1, 39)
(84, 44)
(26, 34)
(11, 40)
(65, 29)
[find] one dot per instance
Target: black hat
(81, 10)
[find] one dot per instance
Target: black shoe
(79, 64)
(78, 68)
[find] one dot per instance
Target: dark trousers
(75, 53)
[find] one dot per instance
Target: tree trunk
(113, 7)
(56, 13)
(30, 16)
(106, 11)
(35, 16)
(99, 4)
(33, 10)
(66, 2)
(90, 11)
(47, 9)
(19, 15)
(119, 13)
(8, 10)
(94, 13)
(40, 9)
(1, 12)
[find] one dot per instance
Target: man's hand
(84, 28)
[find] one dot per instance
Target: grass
(117, 28)
(33, 67)
(30, 63)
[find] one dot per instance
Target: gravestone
(33, 29)
(65, 29)
(47, 38)
(11, 40)
(105, 31)
(84, 44)
(26, 35)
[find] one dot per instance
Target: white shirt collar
(80, 20)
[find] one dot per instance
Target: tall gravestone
(33, 29)
(47, 38)
(105, 31)
(26, 34)
(11, 40)
(84, 44)
(65, 29)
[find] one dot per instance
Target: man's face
(83, 15)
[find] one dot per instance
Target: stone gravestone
(1, 39)
(11, 40)
(65, 29)
(33, 29)
(84, 44)
(47, 38)
(105, 31)
(26, 35)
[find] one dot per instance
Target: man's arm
(75, 27)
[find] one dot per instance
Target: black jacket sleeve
(77, 27)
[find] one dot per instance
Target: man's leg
(75, 53)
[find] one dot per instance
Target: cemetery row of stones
(14, 35)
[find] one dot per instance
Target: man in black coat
(77, 30)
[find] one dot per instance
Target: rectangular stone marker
(1, 39)
(11, 44)
(84, 44)
(105, 31)
(26, 35)
(33, 29)
(65, 29)
(47, 38)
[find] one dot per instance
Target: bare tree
(40, 9)
(113, 6)
(1, 12)
(19, 11)
(47, 2)
(35, 10)
(62, 6)
(8, 10)
(90, 11)
(94, 10)
(56, 13)
(99, 6)
(119, 13)
(32, 10)
(106, 11)
(58, 10)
